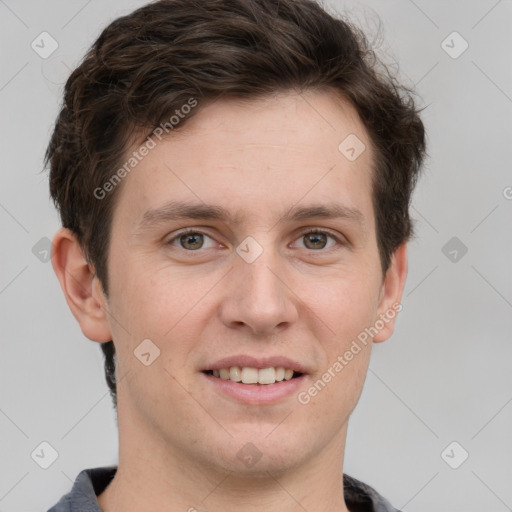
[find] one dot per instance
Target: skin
(179, 437)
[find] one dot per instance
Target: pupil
(316, 237)
(196, 240)
(191, 237)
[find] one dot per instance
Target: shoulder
(88, 484)
(360, 497)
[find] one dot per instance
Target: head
(250, 106)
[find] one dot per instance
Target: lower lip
(256, 394)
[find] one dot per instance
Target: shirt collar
(359, 497)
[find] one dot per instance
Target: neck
(153, 477)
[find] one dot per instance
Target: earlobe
(391, 294)
(81, 286)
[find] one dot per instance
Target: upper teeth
(249, 375)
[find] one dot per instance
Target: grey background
(444, 376)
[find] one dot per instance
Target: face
(246, 239)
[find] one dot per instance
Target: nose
(259, 299)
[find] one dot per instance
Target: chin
(262, 466)
(256, 453)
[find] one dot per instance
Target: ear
(391, 294)
(81, 286)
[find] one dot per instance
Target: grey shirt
(90, 483)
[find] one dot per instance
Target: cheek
(347, 303)
(150, 299)
(158, 307)
(162, 305)
(348, 307)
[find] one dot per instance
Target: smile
(250, 375)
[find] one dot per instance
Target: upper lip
(257, 362)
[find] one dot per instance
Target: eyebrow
(177, 210)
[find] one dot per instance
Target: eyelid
(186, 231)
(340, 240)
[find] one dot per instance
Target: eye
(191, 240)
(318, 239)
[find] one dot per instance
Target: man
(233, 179)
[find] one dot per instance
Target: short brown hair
(146, 65)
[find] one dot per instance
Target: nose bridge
(259, 297)
(260, 278)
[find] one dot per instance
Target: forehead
(260, 155)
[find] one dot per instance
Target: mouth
(254, 376)
(256, 381)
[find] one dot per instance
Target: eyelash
(311, 231)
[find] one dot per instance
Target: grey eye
(191, 241)
(315, 240)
